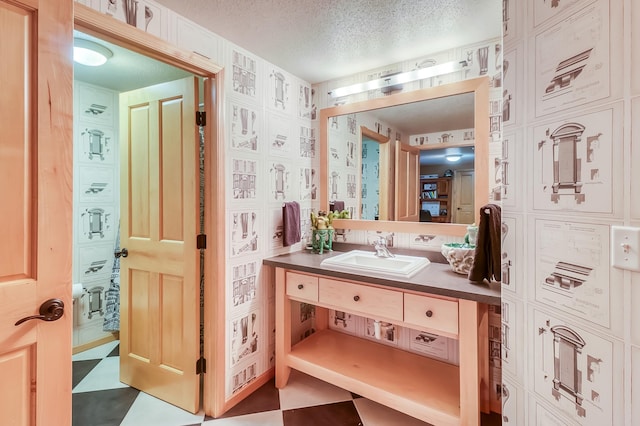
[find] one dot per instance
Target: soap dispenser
(471, 236)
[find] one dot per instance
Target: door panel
(36, 226)
(160, 315)
(464, 196)
(16, 148)
(407, 186)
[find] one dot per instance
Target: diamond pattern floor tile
(147, 410)
(105, 375)
(99, 399)
(304, 391)
(341, 413)
(102, 408)
(81, 369)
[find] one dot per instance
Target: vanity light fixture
(452, 158)
(87, 52)
(399, 79)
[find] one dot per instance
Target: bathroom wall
(414, 340)
(570, 112)
(96, 205)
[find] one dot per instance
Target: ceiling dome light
(453, 157)
(86, 52)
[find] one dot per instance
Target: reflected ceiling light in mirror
(401, 78)
(86, 52)
(452, 158)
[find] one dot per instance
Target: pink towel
(291, 223)
(336, 206)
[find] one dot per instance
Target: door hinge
(201, 365)
(201, 241)
(201, 118)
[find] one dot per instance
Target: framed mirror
(390, 160)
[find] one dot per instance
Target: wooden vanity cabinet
(428, 389)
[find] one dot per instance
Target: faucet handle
(379, 241)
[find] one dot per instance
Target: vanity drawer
(435, 314)
(377, 302)
(302, 286)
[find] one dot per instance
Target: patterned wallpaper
(96, 205)
(569, 325)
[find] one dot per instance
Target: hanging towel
(486, 261)
(112, 295)
(291, 223)
(336, 206)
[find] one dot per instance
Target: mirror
(389, 166)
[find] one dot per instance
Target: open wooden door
(36, 145)
(407, 183)
(160, 288)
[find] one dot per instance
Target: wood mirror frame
(480, 88)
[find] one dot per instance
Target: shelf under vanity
(436, 300)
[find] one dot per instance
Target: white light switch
(625, 247)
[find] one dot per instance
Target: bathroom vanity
(435, 300)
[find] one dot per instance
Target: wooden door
(36, 145)
(464, 196)
(160, 291)
(407, 187)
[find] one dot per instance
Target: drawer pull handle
(356, 298)
(300, 286)
(429, 313)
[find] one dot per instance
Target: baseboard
(96, 343)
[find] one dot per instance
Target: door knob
(124, 253)
(51, 310)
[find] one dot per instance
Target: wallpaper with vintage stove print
(272, 151)
(572, 161)
(566, 359)
(96, 205)
(579, 72)
(577, 371)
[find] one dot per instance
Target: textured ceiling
(320, 40)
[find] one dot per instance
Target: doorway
(113, 105)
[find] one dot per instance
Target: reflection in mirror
(370, 179)
(447, 185)
(422, 130)
(373, 177)
(361, 144)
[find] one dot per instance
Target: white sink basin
(359, 262)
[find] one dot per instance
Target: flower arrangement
(324, 220)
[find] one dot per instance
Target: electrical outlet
(625, 247)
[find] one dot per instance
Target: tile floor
(99, 399)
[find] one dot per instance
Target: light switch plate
(625, 247)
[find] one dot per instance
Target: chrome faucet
(381, 247)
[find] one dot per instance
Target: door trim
(107, 28)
